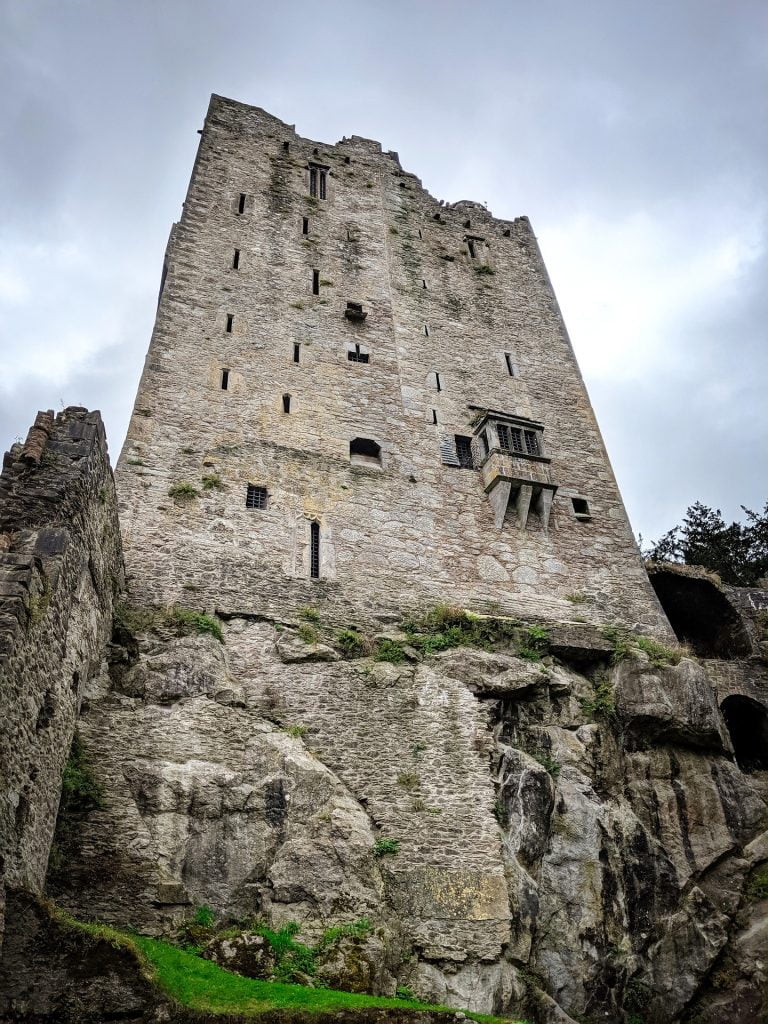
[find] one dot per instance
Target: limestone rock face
(518, 844)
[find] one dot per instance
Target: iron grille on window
(510, 439)
(531, 442)
(464, 451)
(356, 355)
(256, 497)
(314, 550)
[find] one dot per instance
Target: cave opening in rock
(700, 614)
(747, 722)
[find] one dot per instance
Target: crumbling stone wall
(413, 530)
(60, 567)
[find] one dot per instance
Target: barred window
(318, 185)
(464, 451)
(531, 442)
(314, 550)
(256, 496)
(510, 439)
(357, 355)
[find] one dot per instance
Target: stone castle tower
(373, 395)
(360, 409)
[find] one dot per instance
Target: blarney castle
(360, 633)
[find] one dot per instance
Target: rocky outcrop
(524, 836)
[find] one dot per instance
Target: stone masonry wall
(60, 565)
(412, 530)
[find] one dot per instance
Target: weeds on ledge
(308, 633)
(625, 644)
(183, 491)
(212, 482)
(134, 619)
(309, 614)
(389, 650)
(602, 705)
(351, 643)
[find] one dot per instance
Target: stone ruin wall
(60, 567)
(411, 532)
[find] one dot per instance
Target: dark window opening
(305, 225)
(318, 182)
(471, 247)
(256, 496)
(510, 364)
(224, 380)
(286, 146)
(355, 312)
(434, 415)
(426, 330)
(241, 203)
(747, 722)
(162, 282)
(323, 185)
(315, 282)
(296, 352)
(230, 321)
(580, 506)
(467, 223)
(423, 284)
(346, 160)
(357, 355)
(315, 152)
(314, 550)
(532, 443)
(313, 181)
(438, 382)
(236, 260)
(364, 451)
(464, 451)
(507, 233)
(286, 403)
(420, 234)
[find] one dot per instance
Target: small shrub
(204, 916)
(550, 764)
(103, 495)
(212, 482)
(483, 270)
(310, 614)
(136, 462)
(389, 650)
(576, 598)
(295, 730)
(386, 847)
(197, 621)
(183, 491)
(603, 704)
(658, 653)
(403, 992)
(356, 930)
(292, 959)
(351, 643)
(408, 780)
(308, 633)
(533, 644)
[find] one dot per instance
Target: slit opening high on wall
(314, 550)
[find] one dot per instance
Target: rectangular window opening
(438, 382)
(420, 234)
(230, 322)
(323, 185)
(434, 415)
(241, 203)
(356, 355)
(286, 403)
(224, 380)
(236, 260)
(314, 551)
(305, 225)
(581, 507)
(313, 181)
(256, 496)
(464, 451)
(315, 282)
(286, 146)
(532, 443)
(296, 352)
(423, 284)
(426, 330)
(471, 247)
(510, 364)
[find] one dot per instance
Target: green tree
(738, 552)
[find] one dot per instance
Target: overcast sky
(631, 132)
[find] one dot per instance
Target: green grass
(202, 985)
(183, 491)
